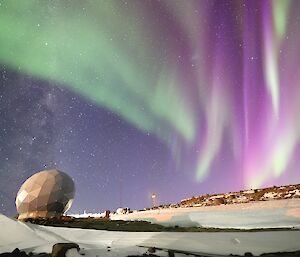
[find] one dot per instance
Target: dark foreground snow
(36, 238)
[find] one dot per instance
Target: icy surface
(14, 234)
(30, 237)
(262, 214)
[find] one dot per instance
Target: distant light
(153, 197)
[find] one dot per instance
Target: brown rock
(59, 250)
(219, 201)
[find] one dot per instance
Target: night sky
(179, 98)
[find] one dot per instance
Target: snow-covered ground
(260, 214)
(88, 214)
(35, 238)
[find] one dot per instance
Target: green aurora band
(199, 78)
(104, 55)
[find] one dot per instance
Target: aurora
(217, 82)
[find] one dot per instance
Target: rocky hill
(265, 194)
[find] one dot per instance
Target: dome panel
(40, 181)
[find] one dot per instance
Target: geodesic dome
(48, 193)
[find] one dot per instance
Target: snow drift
(35, 238)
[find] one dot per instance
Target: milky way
(132, 97)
